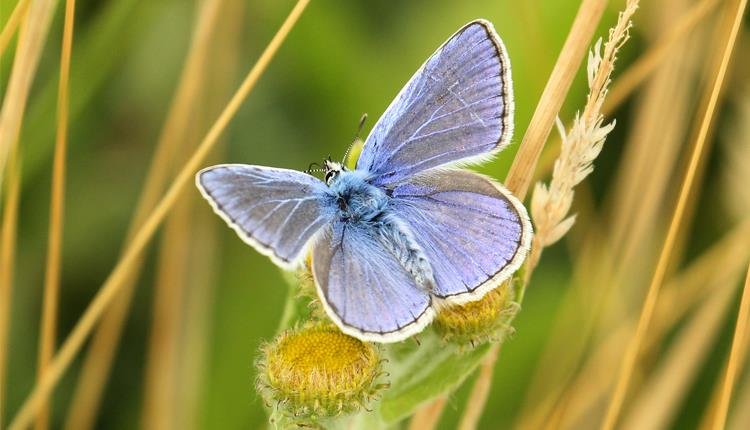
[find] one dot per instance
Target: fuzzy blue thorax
(364, 205)
(357, 199)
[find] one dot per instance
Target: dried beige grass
(737, 161)
(113, 285)
(594, 303)
(54, 250)
(8, 233)
(681, 294)
(522, 170)
(551, 203)
(10, 27)
(162, 383)
(658, 401)
(630, 360)
(736, 357)
(31, 38)
(99, 357)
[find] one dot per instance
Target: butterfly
(406, 231)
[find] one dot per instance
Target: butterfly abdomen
(397, 239)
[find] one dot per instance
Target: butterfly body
(366, 207)
(357, 199)
(404, 230)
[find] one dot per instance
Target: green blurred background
(343, 59)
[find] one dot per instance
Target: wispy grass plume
(551, 203)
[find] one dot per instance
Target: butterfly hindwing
(458, 106)
(473, 231)
(364, 288)
(277, 211)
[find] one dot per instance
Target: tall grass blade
(631, 357)
(33, 34)
(112, 286)
(98, 360)
(736, 356)
(57, 204)
(8, 232)
(10, 27)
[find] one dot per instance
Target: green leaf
(421, 374)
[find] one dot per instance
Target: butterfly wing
(277, 211)
(364, 288)
(457, 107)
(474, 232)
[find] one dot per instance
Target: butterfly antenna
(356, 137)
(318, 168)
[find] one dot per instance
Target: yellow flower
(480, 321)
(317, 371)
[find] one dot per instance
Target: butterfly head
(332, 170)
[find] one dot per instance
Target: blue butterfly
(406, 230)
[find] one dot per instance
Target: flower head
(316, 371)
(480, 321)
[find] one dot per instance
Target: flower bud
(472, 323)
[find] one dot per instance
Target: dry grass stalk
(112, 286)
(32, 36)
(98, 360)
(551, 204)
(10, 27)
(522, 170)
(642, 68)
(665, 389)
(660, 119)
(205, 252)
(681, 294)
(584, 26)
(8, 232)
(736, 356)
(635, 74)
(160, 405)
(737, 159)
(428, 416)
(644, 179)
(630, 359)
(479, 392)
(160, 393)
(52, 274)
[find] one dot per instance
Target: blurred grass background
(341, 60)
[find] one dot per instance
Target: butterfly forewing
(277, 211)
(474, 233)
(457, 106)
